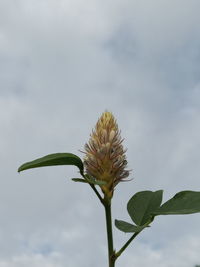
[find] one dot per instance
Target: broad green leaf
(184, 202)
(141, 206)
(128, 227)
(53, 160)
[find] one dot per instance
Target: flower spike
(105, 158)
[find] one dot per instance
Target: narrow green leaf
(88, 181)
(184, 202)
(97, 182)
(141, 206)
(79, 180)
(53, 160)
(128, 227)
(92, 180)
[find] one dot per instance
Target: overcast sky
(64, 62)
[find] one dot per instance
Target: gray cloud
(62, 63)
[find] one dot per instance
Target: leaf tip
(19, 169)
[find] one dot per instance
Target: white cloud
(182, 252)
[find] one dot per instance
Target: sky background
(62, 63)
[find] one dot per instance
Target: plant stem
(117, 254)
(111, 252)
(97, 193)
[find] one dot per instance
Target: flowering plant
(103, 167)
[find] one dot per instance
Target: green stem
(97, 193)
(111, 252)
(94, 188)
(126, 245)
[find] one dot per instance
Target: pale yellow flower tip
(105, 158)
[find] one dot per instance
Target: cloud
(62, 64)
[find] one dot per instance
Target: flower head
(105, 158)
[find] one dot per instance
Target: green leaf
(88, 180)
(92, 180)
(79, 180)
(128, 227)
(97, 182)
(53, 160)
(184, 202)
(141, 206)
